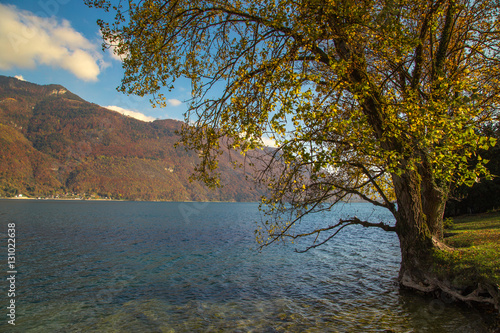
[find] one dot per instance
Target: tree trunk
(433, 200)
(434, 203)
(414, 234)
(418, 237)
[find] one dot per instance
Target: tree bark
(414, 234)
(433, 204)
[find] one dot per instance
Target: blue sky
(58, 41)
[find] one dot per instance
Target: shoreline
(117, 200)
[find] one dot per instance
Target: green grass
(476, 254)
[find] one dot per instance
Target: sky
(58, 42)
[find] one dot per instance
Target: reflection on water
(181, 267)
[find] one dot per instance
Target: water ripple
(144, 267)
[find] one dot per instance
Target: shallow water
(194, 267)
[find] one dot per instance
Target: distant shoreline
(63, 199)
(128, 200)
(118, 200)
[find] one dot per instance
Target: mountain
(54, 143)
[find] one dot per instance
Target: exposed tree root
(440, 245)
(482, 294)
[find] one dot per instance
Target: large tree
(379, 100)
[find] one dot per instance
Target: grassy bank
(475, 257)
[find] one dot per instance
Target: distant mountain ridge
(54, 143)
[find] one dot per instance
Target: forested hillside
(53, 143)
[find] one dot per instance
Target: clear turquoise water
(195, 267)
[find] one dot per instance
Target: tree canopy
(380, 100)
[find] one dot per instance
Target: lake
(101, 266)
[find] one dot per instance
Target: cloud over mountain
(130, 113)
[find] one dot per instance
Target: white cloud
(174, 102)
(113, 53)
(19, 77)
(264, 140)
(130, 113)
(28, 41)
(267, 142)
(113, 49)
